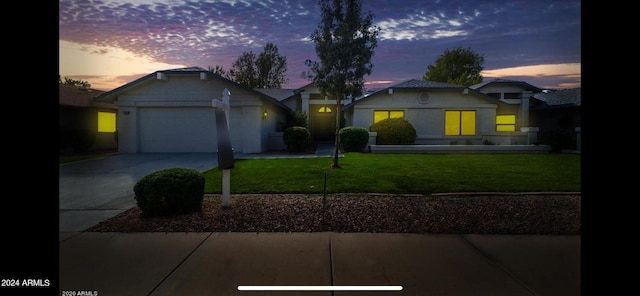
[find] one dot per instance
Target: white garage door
(185, 129)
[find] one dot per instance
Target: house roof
(416, 84)
(110, 96)
(76, 96)
(277, 93)
(422, 84)
(499, 81)
(570, 97)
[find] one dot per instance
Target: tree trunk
(336, 149)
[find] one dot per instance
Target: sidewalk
(93, 263)
(218, 263)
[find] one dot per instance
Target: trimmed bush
(353, 138)
(170, 191)
(296, 138)
(394, 131)
(296, 118)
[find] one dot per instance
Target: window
(106, 122)
(324, 109)
(506, 123)
(385, 114)
(460, 123)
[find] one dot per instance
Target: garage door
(189, 129)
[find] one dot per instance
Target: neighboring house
(172, 111)
(558, 113)
(85, 125)
(445, 114)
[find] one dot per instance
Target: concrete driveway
(94, 190)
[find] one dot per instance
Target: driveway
(94, 190)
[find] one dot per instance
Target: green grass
(404, 173)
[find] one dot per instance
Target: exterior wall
(428, 117)
(127, 123)
(176, 115)
(251, 128)
(272, 128)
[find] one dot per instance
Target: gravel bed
(485, 213)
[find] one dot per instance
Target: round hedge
(394, 131)
(170, 191)
(296, 138)
(353, 138)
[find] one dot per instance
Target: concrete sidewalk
(217, 263)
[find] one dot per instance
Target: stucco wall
(427, 116)
(176, 115)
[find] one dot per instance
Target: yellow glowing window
(381, 115)
(106, 122)
(324, 110)
(460, 123)
(506, 123)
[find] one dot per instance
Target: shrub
(296, 138)
(353, 138)
(394, 131)
(296, 118)
(170, 191)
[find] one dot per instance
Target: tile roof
(506, 81)
(276, 93)
(565, 97)
(415, 83)
(110, 96)
(71, 95)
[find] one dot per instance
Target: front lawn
(404, 173)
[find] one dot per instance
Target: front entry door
(323, 123)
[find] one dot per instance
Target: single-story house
(172, 111)
(85, 124)
(449, 114)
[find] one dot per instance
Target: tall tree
(345, 40)
(271, 67)
(70, 81)
(219, 70)
(266, 70)
(244, 70)
(459, 66)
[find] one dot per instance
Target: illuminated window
(506, 123)
(460, 123)
(381, 115)
(106, 122)
(324, 109)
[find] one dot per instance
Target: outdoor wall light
(264, 114)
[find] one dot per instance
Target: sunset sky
(110, 43)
